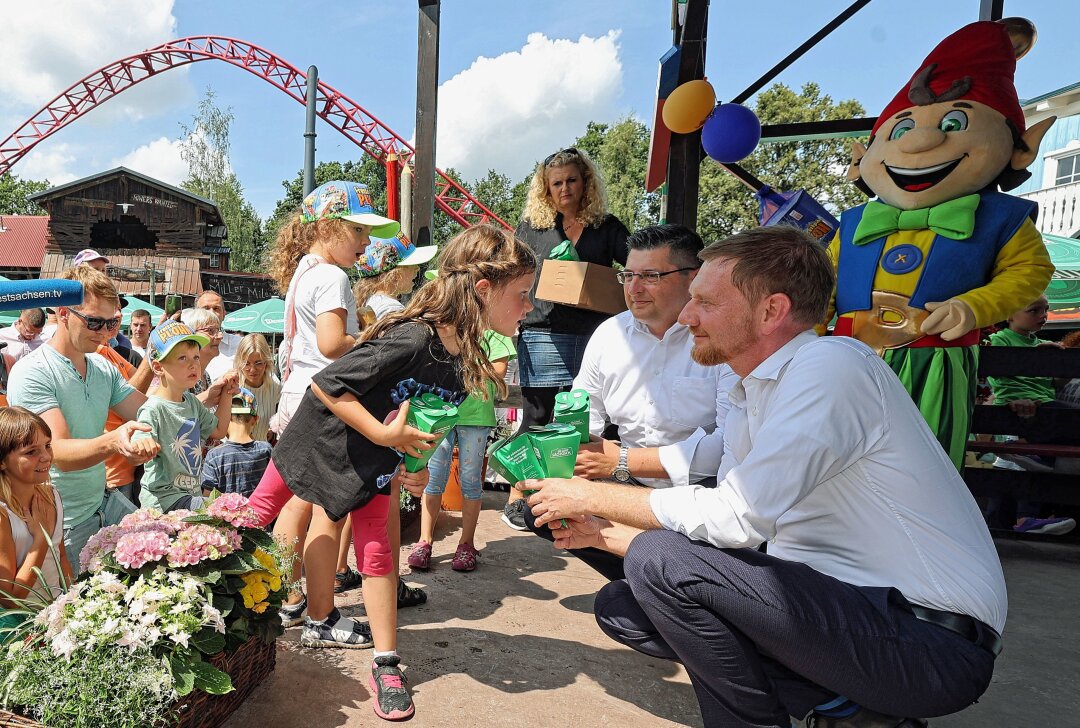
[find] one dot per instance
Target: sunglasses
(93, 323)
(569, 150)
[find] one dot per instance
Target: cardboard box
(583, 285)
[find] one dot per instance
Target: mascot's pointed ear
(1022, 158)
(857, 152)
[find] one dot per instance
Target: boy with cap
(238, 463)
(171, 480)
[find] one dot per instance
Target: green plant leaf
(259, 538)
(208, 642)
(210, 679)
(224, 604)
(249, 560)
(182, 674)
(203, 518)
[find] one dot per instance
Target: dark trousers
(763, 638)
(609, 565)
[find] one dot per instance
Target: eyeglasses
(258, 363)
(213, 333)
(97, 324)
(649, 277)
(568, 150)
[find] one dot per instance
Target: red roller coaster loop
(336, 109)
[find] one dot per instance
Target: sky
(518, 80)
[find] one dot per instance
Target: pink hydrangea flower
(200, 542)
(133, 550)
(102, 542)
(233, 508)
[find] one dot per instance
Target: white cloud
(159, 159)
(51, 44)
(53, 163)
(508, 112)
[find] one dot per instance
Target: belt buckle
(890, 322)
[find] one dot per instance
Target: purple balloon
(731, 133)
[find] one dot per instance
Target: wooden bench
(985, 482)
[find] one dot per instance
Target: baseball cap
(384, 254)
(87, 255)
(243, 403)
(350, 201)
(431, 273)
(168, 335)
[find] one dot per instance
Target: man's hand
(950, 319)
(136, 452)
(596, 459)
(412, 482)
(557, 498)
(573, 534)
(1023, 407)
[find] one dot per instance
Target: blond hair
(251, 344)
(94, 283)
(387, 283)
(484, 252)
(18, 428)
(540, 208)
(295, 240)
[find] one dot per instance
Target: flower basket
(248, 666)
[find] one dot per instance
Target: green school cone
(556, 448)
(572, 408)
(429, 413)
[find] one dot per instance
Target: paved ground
(514, 643)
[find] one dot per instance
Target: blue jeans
(472, 446)
(114, 506)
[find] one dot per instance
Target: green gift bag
(515, 459)
(429, 413)
(564, 251)
(556, 447)
(572, 408)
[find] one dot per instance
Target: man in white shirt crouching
(881, 598)
(637, 369)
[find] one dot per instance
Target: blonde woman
(254, 364)
(566, 201)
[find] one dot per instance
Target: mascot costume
(941, 252)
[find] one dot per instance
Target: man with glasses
(73, 389)
(669, 410)
(25, 334)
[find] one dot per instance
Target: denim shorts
(472, 446)
(114, 506)
(549, 360)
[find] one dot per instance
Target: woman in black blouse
(566, 202)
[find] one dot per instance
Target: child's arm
(230, 382)
(16, 580)
(397, 434)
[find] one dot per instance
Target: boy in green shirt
(172, 479)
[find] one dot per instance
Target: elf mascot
(941, 252)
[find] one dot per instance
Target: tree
(368, 171)
(205, 147)
(726, 206)
(496, 192)
(623, 157)
(14, 193)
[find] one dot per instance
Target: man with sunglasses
(669, 411)
(73, 388)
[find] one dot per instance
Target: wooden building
(159, 239)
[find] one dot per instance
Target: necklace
(575, 224)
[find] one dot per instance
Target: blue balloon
(730, 133)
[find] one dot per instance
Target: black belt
(967, 627)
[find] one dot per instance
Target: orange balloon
(686, 109)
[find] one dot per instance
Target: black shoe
(864, 718)
(409, 596)
(514, 515)
(346, 580)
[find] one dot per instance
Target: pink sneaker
(420, 557)
(465, 558)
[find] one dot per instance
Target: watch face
(621, 475)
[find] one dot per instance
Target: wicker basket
(247, 667)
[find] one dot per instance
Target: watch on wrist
(621, 472)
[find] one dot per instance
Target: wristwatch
(621, 472)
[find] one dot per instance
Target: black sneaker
(292, 614)
(863, 718)
(346, 580)
(514, 515)
(409, 596)
(336, 631)
(392, 699)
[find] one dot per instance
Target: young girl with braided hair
(348, 432)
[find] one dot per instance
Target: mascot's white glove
(951, 319)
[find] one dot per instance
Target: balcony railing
(1059, 209)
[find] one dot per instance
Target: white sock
(391, 653)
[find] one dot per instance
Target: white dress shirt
(18, 347)
(657, 396)
(828, 459)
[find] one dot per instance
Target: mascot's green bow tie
(953, 219)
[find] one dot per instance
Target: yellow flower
(260, 607)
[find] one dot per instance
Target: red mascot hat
(976, 63)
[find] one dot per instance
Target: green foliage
(726, 206)
(211, 680)
(622, 157)
(14, 193)
(205, 147)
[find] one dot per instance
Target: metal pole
(393, 200)
(427, 91)
(150, 267)
(991, 9)
(309, 129)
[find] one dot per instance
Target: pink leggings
(370, 541)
